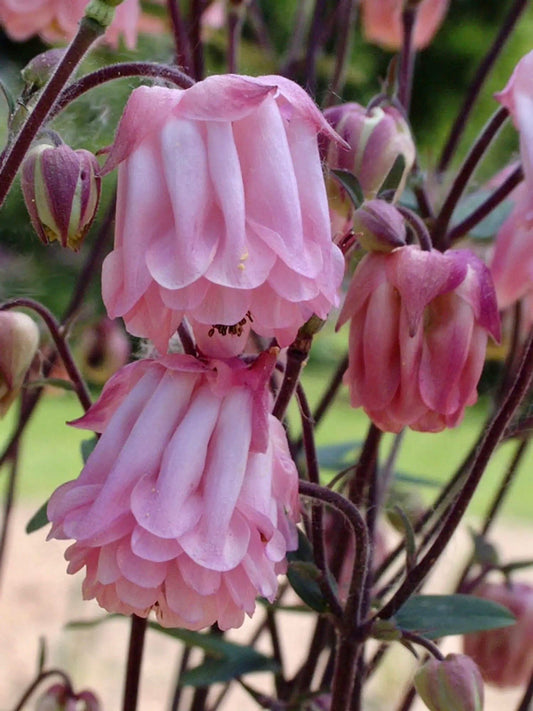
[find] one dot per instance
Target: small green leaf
(87, 447)
(38, 520)
(303, 573)
(337, 456)
(226, 660)
(488, 227)
(485, 553)
(434, 616)
(394, 176)
(350, 183)
(400, 521)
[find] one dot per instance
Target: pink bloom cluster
(222, 212)
(57, 20)
(418, 333)
(187, 504)
(382, 21)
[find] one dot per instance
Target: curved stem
(87, 33)
(313, 44)
(423, 642)
(297, 354)
(133, 669)
(121, 70)
(57, 333)
(418, 225)
(475, 87)
(42, 676)
(488, 444)
(365, 466)
(476, 153)
(486, 207)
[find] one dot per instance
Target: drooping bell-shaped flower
(505, 655)
(188, 502)
(382, 21)
(221, 210)
(450, 684)
(59, 697)
(419, 322)
(102, 349)
(19, 340)
(61, 190)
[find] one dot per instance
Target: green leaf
(303, 574)
(226, 660)
(434, 616)
(337, 456)
(87, 447)
(394, 175)
(487, 228)
(38, 520)
(350, 183)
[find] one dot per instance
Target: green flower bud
(451, 684)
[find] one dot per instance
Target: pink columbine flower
(187, 504)
(418, 333)
(505, 656)
(57, 20)
(382, 21)
(222, 209)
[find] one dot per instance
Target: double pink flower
(222, 212)
(187, 504)
(419, 323)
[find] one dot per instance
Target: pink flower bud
(376, 138)
(103, 349)
(379, 227)
(59, 697)
(382, 21)
(61, 190)
(451, 684)
(505, 655)
(19, 339)
(418, 333)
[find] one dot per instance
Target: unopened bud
(451, 684)
(19, 339)
(61, 190)
(59, 697)
(376, 138)
(39, 70)
(379, 227)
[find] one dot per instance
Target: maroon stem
(9, 498)
(483, 71)
(488, 444)
(347, 14)
(366, 465)
(119, 71)
(407, 58)
(133, 668)
(88, 32)
(476, 153)
(181, 40)
(525, 702)
(58, 336)
(423, 642)
(41, 677)
(486, 207)
(297, 355)
(418, 225)
(197, 9)
(235, 22)
(313, 44)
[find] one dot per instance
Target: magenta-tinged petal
(370, 272)
(421, 276)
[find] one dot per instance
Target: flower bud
(61, 190)
(102, 350)
(19, 338)
(39, 70)
(505, 655)
(376, 138)
(60, 697)
(451, 684)
(379, 227)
